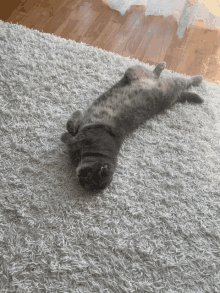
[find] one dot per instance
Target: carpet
(155, 229)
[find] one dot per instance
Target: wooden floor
(150, 39)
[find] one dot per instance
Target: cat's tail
(190, 97)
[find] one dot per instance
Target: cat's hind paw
(162, 65)
(196, 80)
(159, 68)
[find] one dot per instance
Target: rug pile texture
(155, 229)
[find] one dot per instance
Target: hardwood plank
(31, 20)
(126, 29)
(160, 33)
(96, 23)
(196, 47)
(73, 15)
(107, 35)
(79, 22)
(6, 9)
(56, 20)
(21, 12)
(145, 39)
(137, 20)
(150, 39)
(199, 51)
(213, 68)
(174, 51)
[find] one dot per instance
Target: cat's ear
(104, 170)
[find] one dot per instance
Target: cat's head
(95, 175)
(98, 146)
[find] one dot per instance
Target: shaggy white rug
(155, 229)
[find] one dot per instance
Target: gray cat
(94, 139)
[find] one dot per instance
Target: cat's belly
(98, 114)
(104, 111)
(111, 103)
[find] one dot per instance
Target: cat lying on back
(94, 139)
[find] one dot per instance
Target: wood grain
(150, 39)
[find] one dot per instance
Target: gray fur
(94, 139)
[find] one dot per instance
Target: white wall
(187, 12)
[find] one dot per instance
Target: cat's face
(94, 176)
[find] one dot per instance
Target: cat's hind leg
(195, 80)
(190, 97)
(159, 68)
(73, 123)
(174, 87)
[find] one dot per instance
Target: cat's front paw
(71, 127)
(65, 136)
(73, 123)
